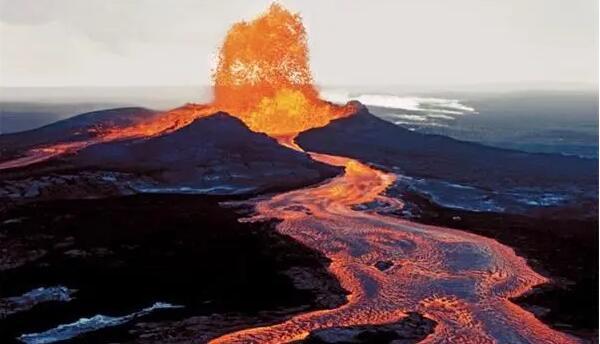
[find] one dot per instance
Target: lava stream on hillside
(461, 280)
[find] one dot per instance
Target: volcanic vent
(263, 78)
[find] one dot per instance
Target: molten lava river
(461, 280)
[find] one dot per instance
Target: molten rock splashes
(264, 78)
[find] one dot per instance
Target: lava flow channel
(461, 280)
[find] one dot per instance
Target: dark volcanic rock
(80, 185)
(383, 265)
(370, 139)
(77, 128)
(331, 295)
(124, 254)
(217, 154)
(411, 329)
(27, 301)
(213, 153)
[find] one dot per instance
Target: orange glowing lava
(169, 121)
(460, 280)
(264, 78)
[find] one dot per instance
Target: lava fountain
(263, 78)
(460, 280)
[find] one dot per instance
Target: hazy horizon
(67, 43)
(202, 93)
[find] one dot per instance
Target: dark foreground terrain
(121, 255)
(114, 258)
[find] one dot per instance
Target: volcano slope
(116, 256)
(371, 139)
(82, 127)
(216, 154)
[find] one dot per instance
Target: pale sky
(358, 42)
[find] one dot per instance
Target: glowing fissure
(458, 279)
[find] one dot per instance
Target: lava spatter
(264, 77)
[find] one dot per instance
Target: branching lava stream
(460, 280)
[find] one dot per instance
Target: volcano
(263, 78)
(315, 182)
(217, 154)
